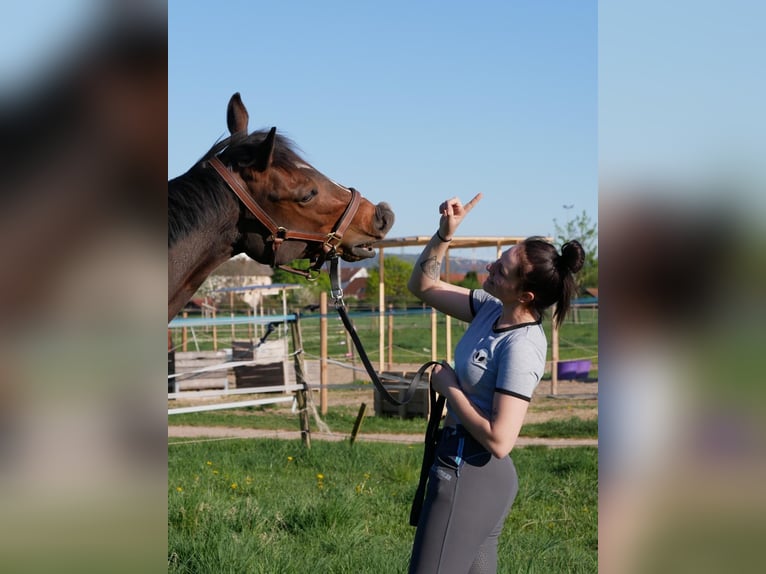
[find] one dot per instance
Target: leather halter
(330, 241)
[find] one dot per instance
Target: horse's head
(314, 214)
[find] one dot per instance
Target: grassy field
(271, 506)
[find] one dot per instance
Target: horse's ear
(236, 115)
(265, 151)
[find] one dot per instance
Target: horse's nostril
(384, 216)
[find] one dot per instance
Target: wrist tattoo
(431, 268)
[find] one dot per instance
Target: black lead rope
(431, 441)
(436, 401)
(340, 305)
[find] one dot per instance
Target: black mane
(199, 193)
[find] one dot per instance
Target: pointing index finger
(469, 206)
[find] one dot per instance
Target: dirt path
(193, 432)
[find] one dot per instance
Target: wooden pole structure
(434, 350)
(323, 353)
(381, 311)
(351, 353)
(448, 331)
(390, 336)
(554, 355)
(358, 422)
(300, 379)
(215, 333)
(184, 334)
(261, 328)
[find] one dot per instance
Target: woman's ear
(526, 297)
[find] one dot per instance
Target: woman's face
(503, 279)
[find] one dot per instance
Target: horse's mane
(199, 193)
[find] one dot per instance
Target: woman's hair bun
(572, 256)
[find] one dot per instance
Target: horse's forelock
(244, 146)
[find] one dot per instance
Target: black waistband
(459, 431)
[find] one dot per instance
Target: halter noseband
(330, 241)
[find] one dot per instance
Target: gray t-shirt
(488, 360)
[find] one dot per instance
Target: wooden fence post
(390, 336)
(300, 379)
(323, 353)
(358, 422)
(554, 355)
(215, 333)
(381, 310)
(434, 343)
(184, 335)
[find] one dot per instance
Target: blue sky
(409, 102)
(681, 88)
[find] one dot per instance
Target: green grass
(572, 427)
(271, 506)
(341, 419)
(338, 418)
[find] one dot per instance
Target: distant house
(240, 271)
(243, 266)
(356, 288)
(353, 281)
(349, 274)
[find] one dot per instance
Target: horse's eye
(309, 196)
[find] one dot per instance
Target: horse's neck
(199, 251)
(190, 261)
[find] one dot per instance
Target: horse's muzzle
(384, 218)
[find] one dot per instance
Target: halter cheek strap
(279, 234)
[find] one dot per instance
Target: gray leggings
(469, 494)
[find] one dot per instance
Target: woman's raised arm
(425, 282)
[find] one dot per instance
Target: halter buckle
(332, 236)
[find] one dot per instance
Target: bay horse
(252, 193)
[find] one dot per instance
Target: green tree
(310, 293)
(470, 281)
(585, 231)
(397, 274)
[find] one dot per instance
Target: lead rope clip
(336, 292)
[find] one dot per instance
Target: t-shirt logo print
(480, 356)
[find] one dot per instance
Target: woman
(498, 363)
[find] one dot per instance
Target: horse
(254, 194)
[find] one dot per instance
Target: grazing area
(265, 506)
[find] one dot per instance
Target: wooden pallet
(189, 361)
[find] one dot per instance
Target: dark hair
(550, 276)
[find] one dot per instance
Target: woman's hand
(452, 213)
(443, 377)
